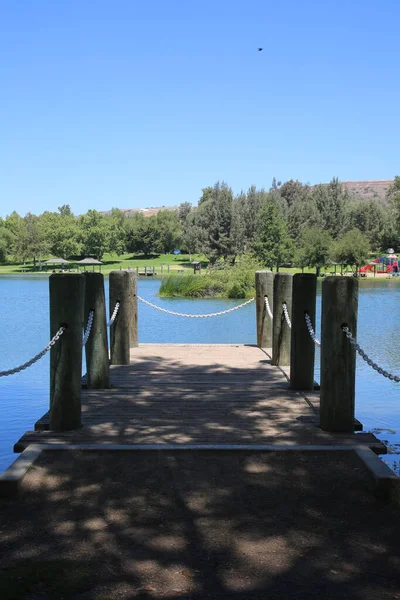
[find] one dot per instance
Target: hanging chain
(285, 312)
(365, 357)
(35, 358)
(268, 308)
(311, 330)
(112, 319)
(176, 314)
(88, 328)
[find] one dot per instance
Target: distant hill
(369, 190)
(147, 212)
(365, 190)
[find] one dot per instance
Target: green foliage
(330, 201)
(370, 217)
(315, 248)
(93, 234)
(142, 235)
(169, 230)
(61, 231)
(235, 281)
(272, 244)
(352, 248)
(214, 216)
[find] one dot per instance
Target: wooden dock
(184, 394)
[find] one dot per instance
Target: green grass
(112, 263)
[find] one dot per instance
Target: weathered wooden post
(123, 334)
(302, 347)
(96, 349)
(338, 356)
(280, 328)
(264, 289)
(67, 296)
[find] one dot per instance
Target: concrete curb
(387, 484)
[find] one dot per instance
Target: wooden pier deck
(225, 394)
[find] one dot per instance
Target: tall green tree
(331, 200)
(368, 216)
(169, 230)
(142, 235)
(61, 231)
(30, 241)
(315, 249)
(214, 216)
(93, 234)
(352, 249)
(116, 231)
(272, 244)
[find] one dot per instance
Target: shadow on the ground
(200, 525)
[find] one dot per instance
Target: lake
(24, 397)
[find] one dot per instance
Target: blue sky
(137, 104)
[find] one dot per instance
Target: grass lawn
(112, 263)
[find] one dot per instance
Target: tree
(214, 216)
(93, 234)
(116, 231)
(272, 243)
(352, 249)
(142, 234)
(293, 191)
(303, 215)
(30, 241)
(6, 241)
(330, 201)
(61, 231)
(169, 230)
(315, 248)
(368, 216)
(183, 211)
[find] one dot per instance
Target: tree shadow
(203, 525)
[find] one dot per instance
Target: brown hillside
(369, 189)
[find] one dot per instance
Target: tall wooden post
(302, 351)
(96, 349)
(67, 295)
(338, 356)
(280, 329)
(264, 288)
(123, 334)
(133, 311)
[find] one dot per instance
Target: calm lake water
(24, 397)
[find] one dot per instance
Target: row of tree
(291, 222)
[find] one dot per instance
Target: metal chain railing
(88, 328)
(311, 330)
(268, 308)
(365, 357)
(285, 312)
(176, 314)
(35, 358)
(114, 314)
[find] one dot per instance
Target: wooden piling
(66, 308)
(280, 329)
(302, 347)
(338, 356)
(123, 333)
(264, 288)
(96, 349)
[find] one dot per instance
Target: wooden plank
(187, 400)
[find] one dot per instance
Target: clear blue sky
(136, 104)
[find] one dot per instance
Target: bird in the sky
(259, 49)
